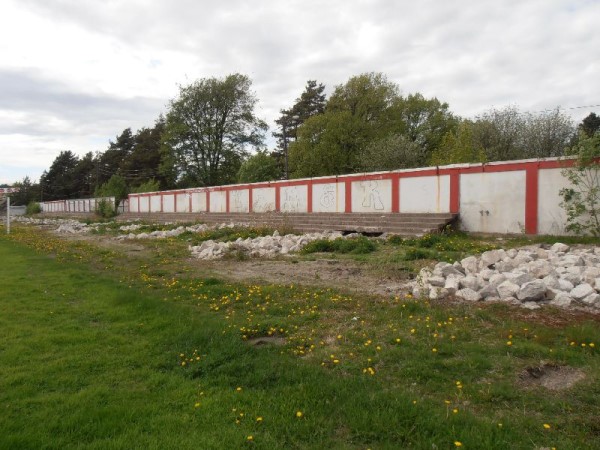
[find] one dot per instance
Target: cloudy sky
(75, 73)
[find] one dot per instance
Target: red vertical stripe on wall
(348, 195)
(175, 202)
(249, 199)
(277, 198)
(309, 196)
(455, 192)
(189, 194)
(150, 203)
(531, 198)
(207, 201)
(395, 193)
(227, 200)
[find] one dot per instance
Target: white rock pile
(64, 226)
(163, 234)
(267, 246)
(530, 276)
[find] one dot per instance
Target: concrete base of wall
(402, 224)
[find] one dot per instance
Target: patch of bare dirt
(339, 274)
(266, 340)
(552, 377)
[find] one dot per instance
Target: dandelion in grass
(457, 444)
(299, 414)
(547, 426)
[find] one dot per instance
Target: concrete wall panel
(372, 196)
(493, 202)
(144, 204)
(169, 203)
(294, 199)
(329, 197)
(218, 201)
(263, 199)
(425, 194)
(155, 203)
(183, 202)
(199, 202)
(239, 201)
(551, 216)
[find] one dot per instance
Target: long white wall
(502, 197)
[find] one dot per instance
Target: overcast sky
(75, 73)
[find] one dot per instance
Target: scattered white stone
(468, 294)
(592, 300)
(582, 291)
(508, 289)
(470, 264)
(559, 248)
(562, 299)
(532, 292)
(530, 305)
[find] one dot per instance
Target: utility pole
(7, 214)
(285, 151)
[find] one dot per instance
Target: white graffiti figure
(328, 196)
(372, 197)
(291, 202)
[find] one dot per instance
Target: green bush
(413, 254)
(33, 208)
(355, 246)
(106, 209)
(395, 239)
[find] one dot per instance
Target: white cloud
(75, 73)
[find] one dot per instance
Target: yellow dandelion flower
(250, 438)
(547, 426)
(259, 419)
(457, 444)
(299, 414)
(509, 343)
(238, 389)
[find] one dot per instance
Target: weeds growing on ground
(103, 350)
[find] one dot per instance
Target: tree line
(211, 135)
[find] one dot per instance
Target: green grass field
(104, 350)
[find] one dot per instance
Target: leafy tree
(458, 146)
(209, 127)
(590, 125)
(395, 151)
(25, 194)
(547, 134)
(310, 103)
(363, 118)
(115, 187)
(147, 186)
(425, 122)
(58, 182)
(84, 176)
(259, 167)
(144, 160)
(357, 113)
(110, 161)
(498, 133)
(581, 200)
(506, 134)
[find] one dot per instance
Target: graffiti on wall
(371, 195)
